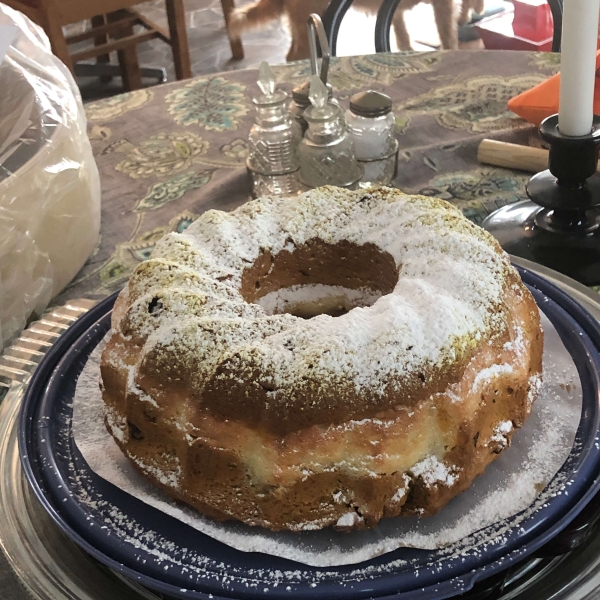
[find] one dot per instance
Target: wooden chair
(112, 29)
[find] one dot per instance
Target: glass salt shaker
(326, 153)
(371, 124)
(273, 141)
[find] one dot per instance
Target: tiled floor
(210, 51)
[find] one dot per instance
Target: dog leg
(402, 35)
(446, 23)
(254, 15)
(465, 11)
(297, 12)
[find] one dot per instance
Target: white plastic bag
(49, 184)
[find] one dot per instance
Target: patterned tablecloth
(167, 154)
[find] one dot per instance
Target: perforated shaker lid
(370, 104)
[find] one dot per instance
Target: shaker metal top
(370, 104)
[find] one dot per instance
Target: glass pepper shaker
(371, 124)
(273, 141)
(326, 153)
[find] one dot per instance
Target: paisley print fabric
(213, 103)
(169, 153)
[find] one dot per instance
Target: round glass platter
(240, 565)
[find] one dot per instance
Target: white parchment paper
(508, 486)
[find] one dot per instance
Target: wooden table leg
(179, 38)
(128, 59)
(237, 50)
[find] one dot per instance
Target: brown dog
(297, 12)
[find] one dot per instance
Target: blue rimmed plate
(170, 557)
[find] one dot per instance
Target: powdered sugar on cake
(433, 471)
(450, 283)
(452, 322)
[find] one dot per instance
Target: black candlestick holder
(560, 226)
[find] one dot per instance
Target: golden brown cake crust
(297, 424)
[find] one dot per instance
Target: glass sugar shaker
(273, 141)
(326, 153)
(372, 125)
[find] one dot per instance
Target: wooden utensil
(512, 156)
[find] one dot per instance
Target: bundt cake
(325, 360)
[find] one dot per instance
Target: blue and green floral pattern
(478, 192)
(173, 189)
(162, 154)
(477, 105)
(214, 103)
(357, 71)
(169, 153)
(115, 106)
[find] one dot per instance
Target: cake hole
(319, 278)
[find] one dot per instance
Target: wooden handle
(512, 156)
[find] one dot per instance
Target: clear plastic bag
(49, 183)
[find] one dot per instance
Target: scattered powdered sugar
(508, 487)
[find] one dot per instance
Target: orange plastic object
(540, 102)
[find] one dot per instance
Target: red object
(533, 20)
(529, 27)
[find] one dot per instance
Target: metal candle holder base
(560, 226)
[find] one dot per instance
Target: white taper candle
(578, 66)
